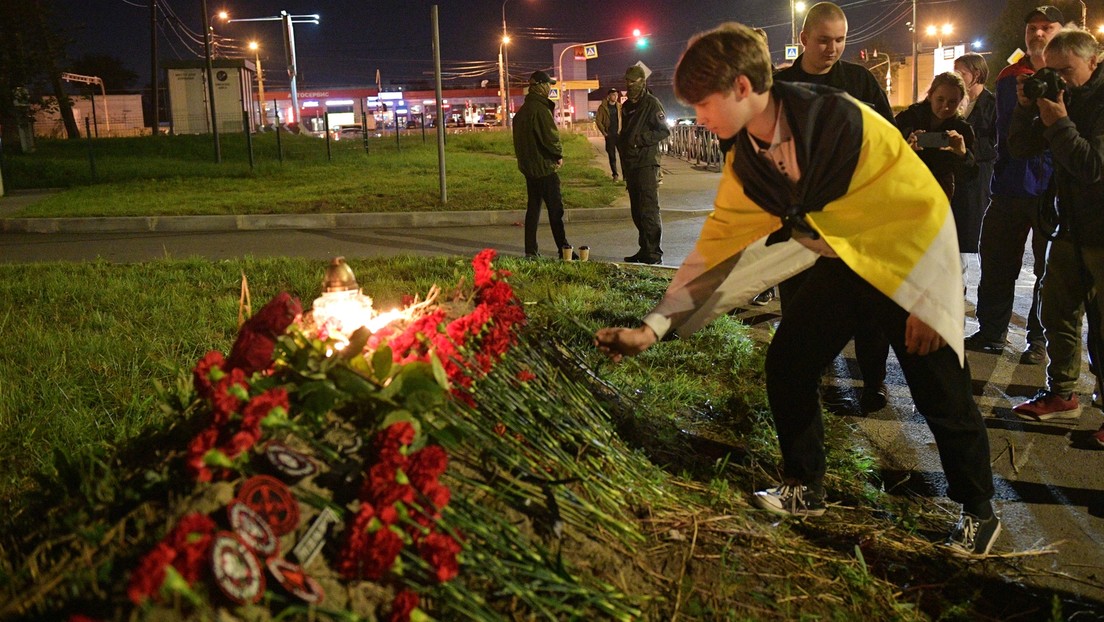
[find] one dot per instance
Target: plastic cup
(584, 253)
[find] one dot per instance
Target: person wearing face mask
(539, 155)
(824, 36)
(937, 114)
(1020, 193)
(644, 126)
(1071, 127)
(972, 191)
(608, 122)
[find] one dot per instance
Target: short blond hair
(822, 12)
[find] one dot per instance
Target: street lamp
(253, 45)
(939, 32)
(795, 9)
(502, 80)
(289, 45)
(559, 63)
(505, 64)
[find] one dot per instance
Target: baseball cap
(1048, 12)
(539, 77)
(613, 91)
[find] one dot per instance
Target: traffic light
(862, 55)
(641, 39)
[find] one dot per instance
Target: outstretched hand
(920, 338)
(618, 343)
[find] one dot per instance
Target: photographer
(1061, 108)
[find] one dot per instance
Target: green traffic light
(641, 43)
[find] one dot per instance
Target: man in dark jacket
(539, 156)
(644, 126)
(824, 36)
(1073, 132)
(1020, 189)
(608, 122)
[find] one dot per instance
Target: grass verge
(93, 340)
(176, 175)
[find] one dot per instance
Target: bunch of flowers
(235, 417)
(485, 334)
(400, 505)
(175, 563)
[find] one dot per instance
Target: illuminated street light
(939, 32)
(502, 85)
(289, 46)
(796, 8)
(505, 65)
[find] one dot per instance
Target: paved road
(1048, 479)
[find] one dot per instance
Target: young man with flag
(814, 178)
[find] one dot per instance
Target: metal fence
(696, 144)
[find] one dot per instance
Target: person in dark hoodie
(539, 155)
(1071, 127)
(643, 127)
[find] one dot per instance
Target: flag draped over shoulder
(862, 189)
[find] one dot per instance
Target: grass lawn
(90, 344)
(176, 175)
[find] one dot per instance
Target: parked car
(350, 132)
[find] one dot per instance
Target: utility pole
(210, 79)
(154, 99)
(915, 59)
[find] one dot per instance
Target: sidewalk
(685, 188)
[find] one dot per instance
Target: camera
(933, 140)
(1044, 83)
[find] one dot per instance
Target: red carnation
(440, 551)
(404, 604)
(481, 264)
(426, 466)
(207, 372)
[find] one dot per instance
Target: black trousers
(643, 187)
(547, 190)
(832, 306)
(1004, 231)
(871, 346)
(611, 151)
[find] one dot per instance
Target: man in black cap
(644, 126)
(539, 155)
(1019, 190)
(608, 122)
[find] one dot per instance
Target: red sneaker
(1047, 405)
(1098, 436)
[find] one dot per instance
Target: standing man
(807, 175)
(644, 127)
(1020, 190)
(608, 122)
(539, 156)
(824, 36)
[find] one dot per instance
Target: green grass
(177, 175)
(87, 345)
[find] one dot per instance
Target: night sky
(358, 37)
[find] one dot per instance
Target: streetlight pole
(569, 46)
(210, 79)
(253, 45)
(506, 64)
(502, 82)
(915, 57)
(793, 23)
(289, 45)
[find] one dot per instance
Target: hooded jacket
(1076, 146)
(871, 199)
(536, 139)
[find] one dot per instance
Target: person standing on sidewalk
(608, 122)
(823, 36)
(539, 155)
(644, 126)
(972, 192)
(807, 174)
(1071, 128)
(1020, 192)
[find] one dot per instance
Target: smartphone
(933, 140)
